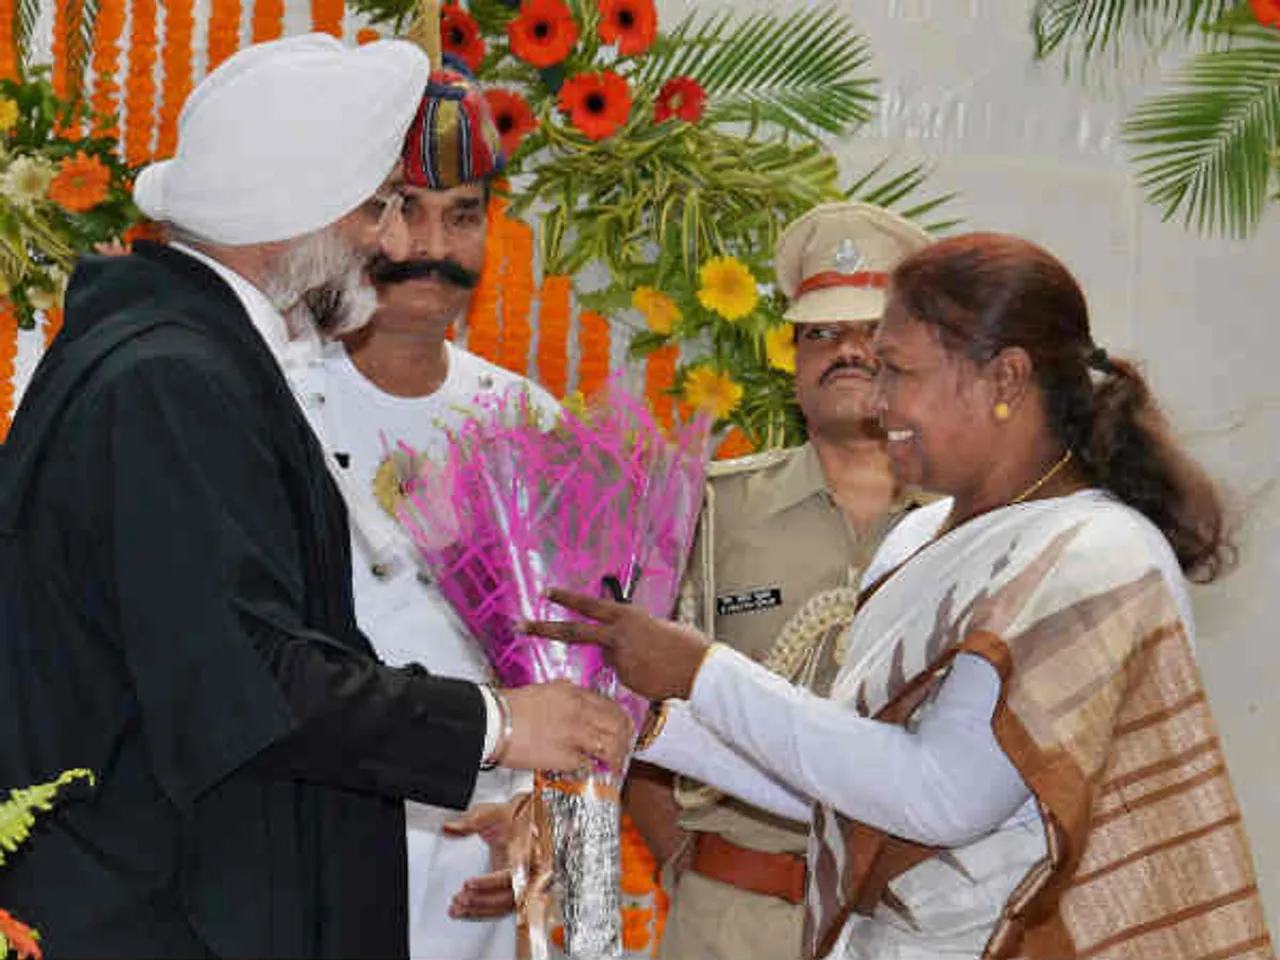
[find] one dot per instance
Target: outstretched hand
(655, 658)
(491, 894)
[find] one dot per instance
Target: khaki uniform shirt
(771, 540)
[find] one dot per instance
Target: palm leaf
(25, 27)
(802, 72)
(1206, 149)
(1092, 27)
(898, 192)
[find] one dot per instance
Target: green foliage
(800, 73)
(1207, 148)
(17, 814)
(39, 239)
(1092, 27)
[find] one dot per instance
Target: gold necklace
(1052, 472)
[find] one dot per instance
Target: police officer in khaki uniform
(782, 543)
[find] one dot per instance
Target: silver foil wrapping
(586, 834)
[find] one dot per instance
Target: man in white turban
(175, 578)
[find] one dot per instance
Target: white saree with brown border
(1132, 845)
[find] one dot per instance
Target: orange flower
(22, 939)
(367, 35)
(512, 117)
(460, 35)
(543, 34)
(80, 184)
(635, 928)
(735, 444)
(1267, 12)
(680, 97)
(8, 49)
(632, 23)
(8, 364)
(597, 103)
(327, 16)
(224, 30)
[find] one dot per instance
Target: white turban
(285, 138)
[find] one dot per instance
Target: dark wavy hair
(984, 292)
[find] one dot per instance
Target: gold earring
(1002, 411)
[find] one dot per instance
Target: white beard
(320, 280)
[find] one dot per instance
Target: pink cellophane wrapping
(516, 509)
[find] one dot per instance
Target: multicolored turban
(452, 139)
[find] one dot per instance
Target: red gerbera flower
(512, 117)
(632, 23)
(543, 34)
(1267, 12)
(460, 35)
(597, 103)
(680, 97)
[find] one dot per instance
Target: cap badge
(848, 258)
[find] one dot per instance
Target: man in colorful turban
(176, 608)
(399, 380)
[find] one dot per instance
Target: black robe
(177, 617)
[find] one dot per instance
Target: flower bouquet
(603, 503)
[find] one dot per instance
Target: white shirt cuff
(492, 723)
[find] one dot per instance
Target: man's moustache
(869, 367)
(384, 271)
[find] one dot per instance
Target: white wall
(1034, 153)
(1038, 155)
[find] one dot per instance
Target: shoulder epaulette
(750, 463)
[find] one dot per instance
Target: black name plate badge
(765, 598)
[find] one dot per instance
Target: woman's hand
(655, 658)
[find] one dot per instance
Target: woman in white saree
(1017, 759)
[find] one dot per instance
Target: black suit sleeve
(185, 498)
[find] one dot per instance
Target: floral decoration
(671, 158)
(544, 32)
(512, 116)
(680, 97)
(460, 35)
(631, 24)
(597, 103)
(62, 191)
(1266, 12)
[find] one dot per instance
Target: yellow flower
(780, 347)
(9, 114)
(727, 287)
(713, 391)
(659, 310)
(27, 181)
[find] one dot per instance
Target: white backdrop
(1033, 153)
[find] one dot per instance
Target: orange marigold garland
(327, 16)
(105, 99)
(593, 352)
(735, 444)
(178, 27)
(8, 363)
(482, 317)
(554, 314)
(268, 20)
(367, 35)
(140, 95)
(8, 41)
(66, 36)
(659, 374)
(517, 298)
(224, 30)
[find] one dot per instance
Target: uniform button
(316, 399)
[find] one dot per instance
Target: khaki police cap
(833, 262)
